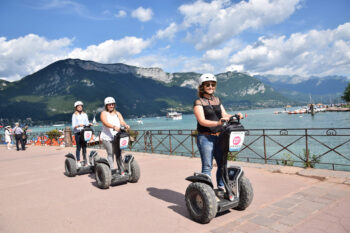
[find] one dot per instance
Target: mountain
(319, 89)
(3, 84)
(49, 94)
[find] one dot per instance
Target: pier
(37, 197)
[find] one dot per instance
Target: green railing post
(264, 146)
(171, 151)
(145, 140)
(151, 141)
(307, 149)
(192, 145)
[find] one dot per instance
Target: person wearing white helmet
(112, 120)
(8, 136)
(210, 114)
(79, 120)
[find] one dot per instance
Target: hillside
(319, 89)
(49, 94)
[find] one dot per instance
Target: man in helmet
(112, 120)
(210, 114)
(79, 120)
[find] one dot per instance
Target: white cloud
(111, 50)
(317, 52)
(142, 14)
(217, 54)
(26, 55)
(121, 14)
(238, 68)
(169, 32)
(211, 23)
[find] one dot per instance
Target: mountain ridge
(49, 93)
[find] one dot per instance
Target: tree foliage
(346, 95)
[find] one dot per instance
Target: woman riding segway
(210, 115)
(79, 120)
(112, 120)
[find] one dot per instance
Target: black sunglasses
(210, 84)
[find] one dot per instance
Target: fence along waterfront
(327, 148)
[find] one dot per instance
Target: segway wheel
(103, 176)
(135, 172)
(201, 202)
(70, 167)
(246, 193)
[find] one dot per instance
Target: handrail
(306, 147)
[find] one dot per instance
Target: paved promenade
(36, 196)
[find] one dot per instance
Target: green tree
(346, 95)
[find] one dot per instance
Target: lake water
(256, 119)
(329, 148)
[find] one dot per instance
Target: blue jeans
(80, 145)
(209, 148)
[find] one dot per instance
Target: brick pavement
(37, 197)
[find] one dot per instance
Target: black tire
(103, 175)
(70, 167)
(135, 172)
(246, 193)
(201, 202)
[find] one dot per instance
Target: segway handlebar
(235, 118)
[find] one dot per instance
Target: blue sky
(280, 37)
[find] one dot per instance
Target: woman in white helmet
(8, 136)
(210, 114)
(112, 120)
(79, 120)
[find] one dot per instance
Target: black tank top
(212, 111)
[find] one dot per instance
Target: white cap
(206, 77)
(78, 103)
(109, 100)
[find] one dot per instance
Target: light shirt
(7, 135)
(78, 119)
(107, 134)
(17, 130)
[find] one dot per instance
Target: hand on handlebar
(116, 128)
(223, 120)
(240, 115)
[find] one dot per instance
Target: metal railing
(307, 147)
(304, 147)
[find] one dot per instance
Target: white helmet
(206, 77)
(109, 100)
(78, 103)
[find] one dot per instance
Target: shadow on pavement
(172, 197)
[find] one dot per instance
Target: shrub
(54, 134)
(133, 136)
(312, 159)
(287, 160)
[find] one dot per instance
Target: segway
(70, 164)
(202, 200)
(128, 169)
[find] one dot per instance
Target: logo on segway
(124, 142)
(236, 141)
(87, 135)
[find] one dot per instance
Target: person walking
(25, 136)
(210, 115)
(112, 120)
(18, 132)
(79, 120)
(8, 137)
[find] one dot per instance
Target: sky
(268, 37)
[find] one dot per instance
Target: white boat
(58, 125)
(140, 122)
(174, 115)
(94, 122)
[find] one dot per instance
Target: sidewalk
(36, 196)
